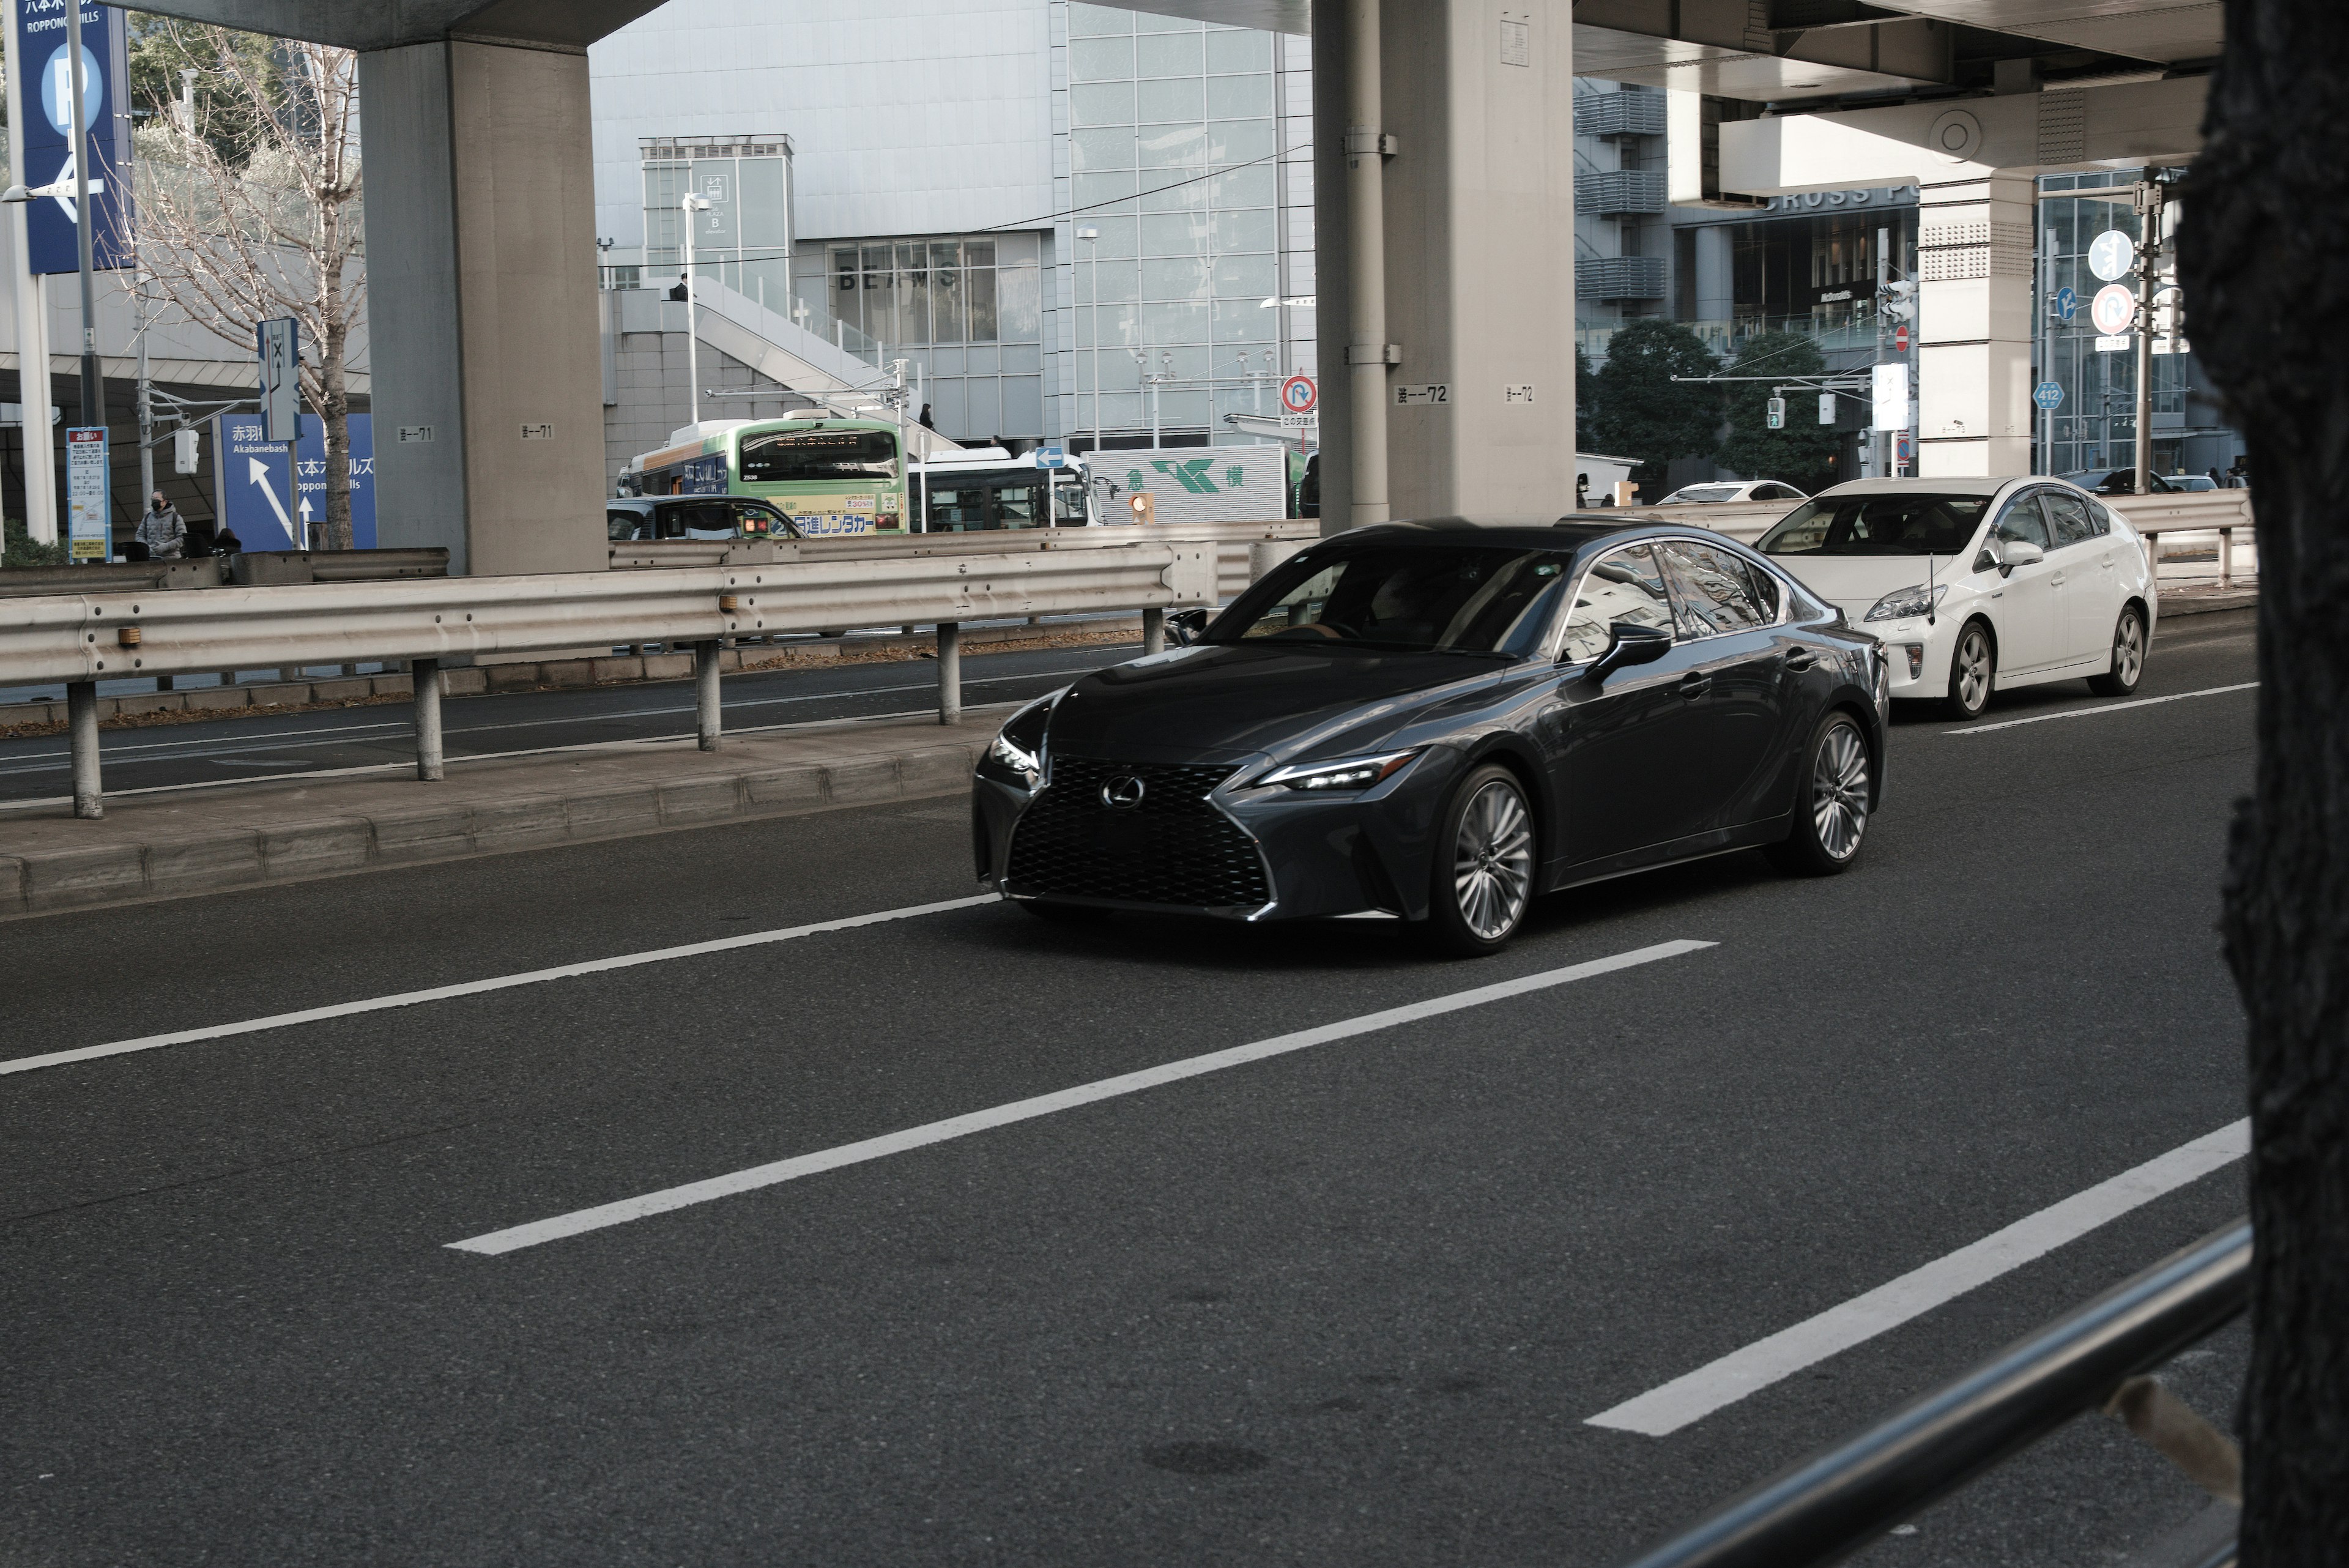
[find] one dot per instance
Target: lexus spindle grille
(1169, 847)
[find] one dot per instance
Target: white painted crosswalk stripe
(580, 1221)
(2102, 709)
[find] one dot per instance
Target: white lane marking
(1664, 1410)
(640, 741)
(2106, 708)
(540, 1232)
(478, 987)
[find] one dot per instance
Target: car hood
(1222, 703)
(1854, 583)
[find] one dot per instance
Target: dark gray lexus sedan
(1439, 719)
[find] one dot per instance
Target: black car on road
(633, 517)
(1441, 719)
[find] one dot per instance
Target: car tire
(1061, 914)
(2128, 656)
(1831, 814)
(1482, 880)
(1974, 671)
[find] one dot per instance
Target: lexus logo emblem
(1124, 792)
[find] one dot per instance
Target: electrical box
(1778, 413)
(1827, 407)
(185, 450)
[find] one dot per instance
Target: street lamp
(93, 412)
(691, 205)
(1092, 256)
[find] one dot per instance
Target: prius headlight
(1017, 749)
(1903, 603)
(1346, 773)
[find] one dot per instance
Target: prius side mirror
(1629, 643)
(2013, 553)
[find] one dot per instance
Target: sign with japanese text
(37, 38)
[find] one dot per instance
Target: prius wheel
(2128, 657)
(1831, 817)
(1484, 872)
(1973, 668)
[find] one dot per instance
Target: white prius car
(1975, 585)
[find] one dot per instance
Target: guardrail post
(949, 672)
(1154, 632)
(705, 692)
(2226, 559)
(424, 683)
(81, 719)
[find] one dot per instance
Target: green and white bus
(829, 475)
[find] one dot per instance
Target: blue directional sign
(267, 495)
(2048, 395)
(37, 38)
(2066, 301)
(1052, 457)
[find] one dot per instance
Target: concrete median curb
(177, 843)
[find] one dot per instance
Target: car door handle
(1797, 660)
(2056, 581)
(1695, 683)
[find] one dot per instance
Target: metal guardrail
(1846, 1497)
(80, 638)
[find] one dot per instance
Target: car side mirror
(1184, 627)
(1629, 643)
(2016, 552)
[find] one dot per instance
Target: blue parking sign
(267, 495)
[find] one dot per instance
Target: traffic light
(1144, 509)
(1778, 413)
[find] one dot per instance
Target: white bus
(987, 488)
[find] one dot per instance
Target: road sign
(87, 508)
(37, 38)
(1434, 392)
(1889, 387)
(1900, 339)
(2116, 343)
(279, 342)
(1052, 457)
(2111, 254)
(1778, 413)
(2064, 304)
(2112, 309)
(1904, 448)
(1298, 395)
(2048, 395)
(253, 494)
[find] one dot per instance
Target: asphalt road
(1351, 1305)
(212, 752)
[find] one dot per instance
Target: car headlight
(1347, 773)
(1903, 603)
(1018, 747)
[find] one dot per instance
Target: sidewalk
(175, 842)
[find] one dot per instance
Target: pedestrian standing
(926, 422)
(162, 530)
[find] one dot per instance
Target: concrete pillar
(483, 302)
(1716, 274)
(1479, 252)
(1974, 411)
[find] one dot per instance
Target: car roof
(1573, 531)
(1982, 485)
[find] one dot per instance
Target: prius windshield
(1900, 523)
(1415, 598)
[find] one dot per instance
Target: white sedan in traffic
(1729, 490)
(1978, 585)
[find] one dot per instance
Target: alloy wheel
(1493, 861)
(1973, 669)
(2128, 649)
(1840, 792)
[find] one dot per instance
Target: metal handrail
(1845, 1497)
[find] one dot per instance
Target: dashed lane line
(579, 1221)
(1685, 1399)
(479, 987)
(2101, 710)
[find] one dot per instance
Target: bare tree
(249, 210)
(2264, 259)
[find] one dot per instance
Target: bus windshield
(792, 457)
(1885, 522)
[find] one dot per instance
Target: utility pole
(2148, 266)
(32, 342)
(146, 388)
(1879, 442)
(93, 390)
(691, 205)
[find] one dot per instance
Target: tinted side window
(620, 525)
(1710, 592)
(2022, 520)
(2068, 516)
(1625, 585)
(2100, 520)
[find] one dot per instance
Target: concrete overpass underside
(1444, 182)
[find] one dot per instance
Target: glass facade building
(743, 238)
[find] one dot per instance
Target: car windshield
(1707, 493)
(1411, 598)
(1900, 522)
